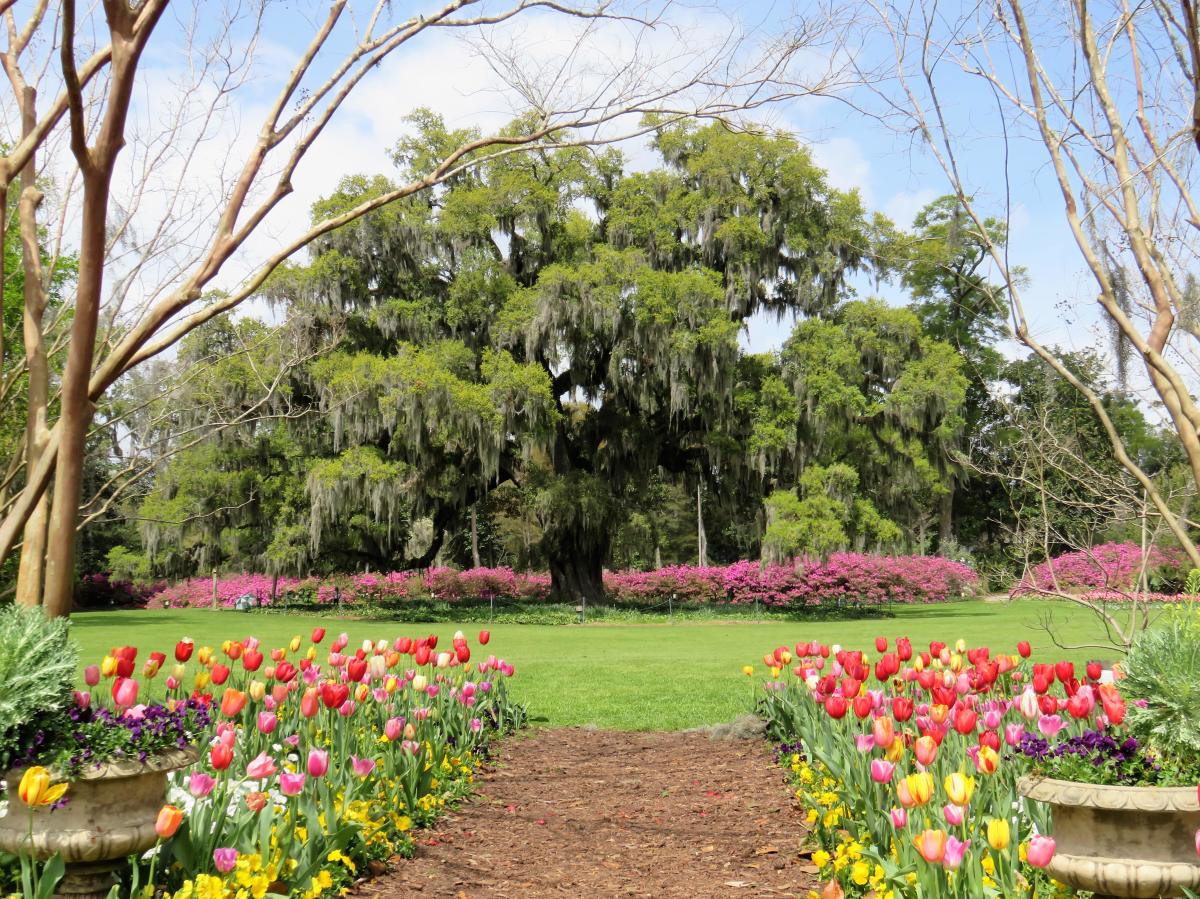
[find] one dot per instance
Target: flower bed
(315, 765)
(855, 578)
(1110, 568)
(908, 765)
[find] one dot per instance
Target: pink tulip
(992, 719)
(864, 742)
(293, 740)
(91, 675)
(1013, 734)
(318, 762)
(83, 699)
(362, 767)
(201, 784)
(955, 850)
(225, 860)
(953, 813)
(476, 725)
(881, 771)
(393, 728)
(291, 784)
(125, 692)
(262, 767)
(340, 643)
(1041, 849)
(412, 747)
(1050, 725)
(267, 722)
(347, 708)
(899, 817)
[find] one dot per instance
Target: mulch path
(579, 812)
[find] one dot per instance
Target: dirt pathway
(575, 812)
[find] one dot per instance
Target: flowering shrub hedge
(314, 765)
(843, 577)
(100, 590)
(908, 764)
(1110, 567)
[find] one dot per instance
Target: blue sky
(891, 171)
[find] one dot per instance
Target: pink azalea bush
(1109, 568)
(843, 577)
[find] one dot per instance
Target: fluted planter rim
(1108, 796)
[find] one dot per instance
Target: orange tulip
(931, 844)
(232, 702)
(169, 819)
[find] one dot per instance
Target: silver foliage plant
(1163, 685)
(37, 669)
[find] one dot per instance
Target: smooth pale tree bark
(130, 28)
(31, 573)
(701, 536)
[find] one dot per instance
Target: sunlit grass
(653, 676)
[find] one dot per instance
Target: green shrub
(37, 670)
(1162, 686)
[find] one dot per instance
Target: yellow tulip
(959, 788)
(998, 833)
(294, 646)
(748, 670)
(35, 788)
(202, 679)
(920, 787)
(257, 690)
(895, 752)
(108, 666)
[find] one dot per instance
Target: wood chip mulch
(579, 812)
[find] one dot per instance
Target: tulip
(125, 692)
(220, 674)
(931, 844)
(267, 722)
(256, 802)
(183, 649)
(420, 681)
(1013, 734)
(864, 742)
(168, 821)
(262, 767)
(1050, 725)
(884, 732)
(393, 728)
(362, 767)
(925, 749)
(309, 703)
(955, 850)
(998, 833)
(294, 644)
(232, 702)
(881, 771)
(225, 859)
(83, 699)
(987, 760)
(1024, 649)
(899, 817)
(35, 789)
(291, 784)
(484, 637)
(221, 757)
(318, 762)
(953, 814)
(965, 720)
(91, 675)
(1041, 849)
(959, 787)
(915, 789)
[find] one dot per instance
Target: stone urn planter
(110, 816)
(1121, 841)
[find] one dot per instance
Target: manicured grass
(659, 676)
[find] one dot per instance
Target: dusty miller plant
(1162, 684)
(37, 670)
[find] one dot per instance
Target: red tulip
(431, 641)
(252, 659)
(484, 637)
(850, 687)
(285, 671)
(1094, 670)
(990, 738)
(334, 695)
(836, 706)
(1024, 649)
(220, 674)
(902, 708)
(318, 634)
(356, 669)
(904, 649)
(463, 653)
(221, 757)
(965, 720)
(421, 656)
(405, 644)
(862, 705)
(124, 667)
(1065, 671)
(1048, 705)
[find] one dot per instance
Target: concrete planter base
(110, 816)
(1137, 842)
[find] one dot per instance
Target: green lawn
(658, 676)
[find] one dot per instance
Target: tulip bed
(314, 765)
(907, 767)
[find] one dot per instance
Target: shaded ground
(580, 812)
